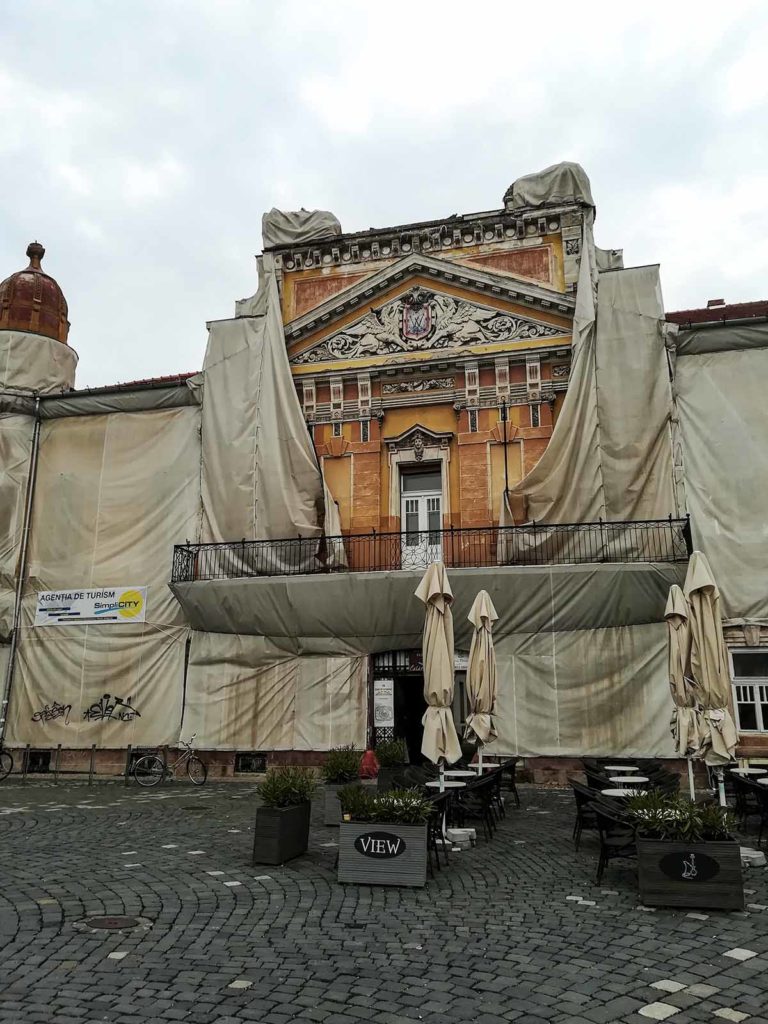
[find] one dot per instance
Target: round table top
(628, 778)
(621, 768)
(460, 773)
(619, 792)
(447, 784)
(749, 771)
(762, 782)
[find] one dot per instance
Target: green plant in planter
(286, 787)
(357, 803)
(396, 807)
(391, 753)
(342, 764)
(675, 819)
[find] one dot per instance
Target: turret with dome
(32, 302)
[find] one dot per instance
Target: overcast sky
(141, 142)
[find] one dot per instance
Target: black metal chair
(585, 811)
(476, 801)
(435, 839)
(617, 837)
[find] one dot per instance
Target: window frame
(755, 683)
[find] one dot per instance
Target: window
(472, 416)
(750, 690)
(535, 416)
(365, 430)
(337, 430)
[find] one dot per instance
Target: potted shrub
(392, 756)
(686, 855)
(342, 766)
(383, 837)
(281, 831)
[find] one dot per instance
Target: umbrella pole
(720, 785)
(480, 760)
(442, 776)
(691, 784)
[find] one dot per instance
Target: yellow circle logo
(129, 604)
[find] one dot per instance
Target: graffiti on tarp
(111, 708)
(50, 712)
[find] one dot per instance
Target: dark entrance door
(409, 710)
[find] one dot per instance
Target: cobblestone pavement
(514, 930)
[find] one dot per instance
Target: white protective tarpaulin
(610, 455)
(15, 450)
(32, 363)
(561, 183)
(723, 422)
(113, 495)
(292, 227)
(260, 476)
(243, 693)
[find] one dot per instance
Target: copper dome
(32, 302)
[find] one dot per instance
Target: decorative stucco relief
(421, 319)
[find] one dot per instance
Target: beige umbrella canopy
(709, 662)
(481, 670)
(685, 717)
(440, 739)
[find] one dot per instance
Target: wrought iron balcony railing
(659, 540)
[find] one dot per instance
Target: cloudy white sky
(142, 141)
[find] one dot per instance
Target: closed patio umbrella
(709, 664)
(481, 672)
(685, 717)
(440, 740)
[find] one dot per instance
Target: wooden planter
(375, 853)
(332, 805)
(281, 833)
(676, 874)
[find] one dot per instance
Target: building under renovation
(234, 553)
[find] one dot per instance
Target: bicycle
(6, 763)
(151, 769)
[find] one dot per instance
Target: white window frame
(756, 683)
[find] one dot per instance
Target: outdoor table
(749, 771)
(621, 768)
(619, 792)
(762, 782)
(460, 773)
(634, 779)
(447, 783)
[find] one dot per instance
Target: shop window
(750, 690)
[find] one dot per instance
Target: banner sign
(383, 703)
(91, 607)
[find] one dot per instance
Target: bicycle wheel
(149, 770)
(196, 770)
(6, 764)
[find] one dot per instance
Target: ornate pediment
(420, 320)
(420, 440)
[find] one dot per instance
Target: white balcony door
(421, 521)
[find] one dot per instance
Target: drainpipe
(506, 469)
(8, 682)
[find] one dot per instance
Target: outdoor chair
(746, 799)
(756, 803)
(585, 811)
(509, 769)
(476, 800)
(617, 837)
(435, 840)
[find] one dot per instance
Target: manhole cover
(112, 923)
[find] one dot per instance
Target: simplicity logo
(128, 605)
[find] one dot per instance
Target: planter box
(332, 805)
(676, 874)
(374, 853)
(281, 833)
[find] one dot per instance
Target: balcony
(658, 540)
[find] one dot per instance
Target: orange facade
(431, 374)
